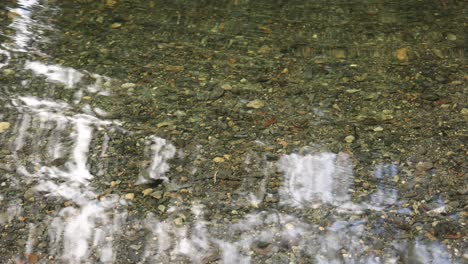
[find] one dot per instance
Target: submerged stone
(4, 126)
(255, 104)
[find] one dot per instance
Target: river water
(84, 182)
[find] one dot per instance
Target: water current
(50, 143)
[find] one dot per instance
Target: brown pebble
(402, 54)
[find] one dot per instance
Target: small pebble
(255, 104)
(4, 126)
(424, 166)
(179, 221)
(116, 25)
(401, 54)
(451, 37)
(219, 160)
(157, 194)
(128, 85)
(183, 179)
(147, 192)
(7, 72)
(349, 139)
(174, 68)
(180, 113)
(164, 124)
(135, 247)
(129, 196)
(226, 87)
(351, 91)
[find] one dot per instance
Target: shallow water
(79, 185)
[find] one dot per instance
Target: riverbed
(233, 131)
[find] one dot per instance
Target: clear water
(95, 228)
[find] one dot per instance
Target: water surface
(232, 132)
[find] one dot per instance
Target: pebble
(219, 160)
(161, 208)
(226, 87)
(351, 91)
(111, 3)
(147, 192)
(264, 50)
(424, 166)
(339, 54)
(180, 113)
(401, 54)
(378, 129)
(128, 85)
(174, 68)
(164, 124)
(451, 37)
(4, 126)
(157, 194)
(8, 72)
(179, 221)
(29, 193)
(437, 211)
(438, 53)
(135, 247)
(113, 184)
(12, 15)
(183, 179)
(255, 104)
(129, 196)
(349, 139)
(116, 25)
(464, 111)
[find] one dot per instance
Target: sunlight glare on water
(324, 177)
